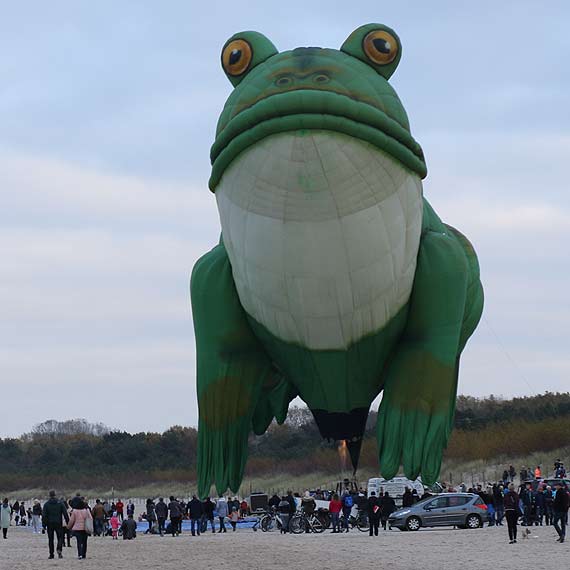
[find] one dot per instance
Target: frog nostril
(283, 81)
(321, 78)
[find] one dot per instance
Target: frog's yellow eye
(380, 46)
(236, 57)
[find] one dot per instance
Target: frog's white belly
(322, 231)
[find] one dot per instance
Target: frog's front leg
(231, 370)
(420, 381)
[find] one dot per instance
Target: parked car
(464, 510)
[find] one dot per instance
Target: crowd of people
(534, 502)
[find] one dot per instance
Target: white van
(397, 486)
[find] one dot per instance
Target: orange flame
(343, 455)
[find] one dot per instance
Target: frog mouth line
(313, 110)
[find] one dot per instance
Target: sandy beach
(442, 549)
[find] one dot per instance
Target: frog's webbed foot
(273, 402)
(231, 370)
(420, 382)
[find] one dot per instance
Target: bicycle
(271, 521)
(268, 521)
(301, 521)
(360, 521)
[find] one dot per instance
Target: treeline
(79, 454)
(478, 413)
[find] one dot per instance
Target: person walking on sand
(234, 517)
(284, 509)
(161, 510)
(150, 515)
(5, 516)
(120, 506)
(98, 517)
(195, 510)
(347, 504)
(115, 524)
(222, 509)
(53, 514)
(37, 517)
(511, 504)
(374, 510)
(175, 516)
(208, 508)
(560, 507)
(335, 507)
(79, 523)
(387, 507)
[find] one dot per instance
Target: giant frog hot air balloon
(334, 279)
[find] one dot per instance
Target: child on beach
(114, 522)
(234, 516)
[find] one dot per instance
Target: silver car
(463, 510)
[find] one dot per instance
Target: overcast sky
(107, 113)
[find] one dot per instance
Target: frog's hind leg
(231, 370)
(420, 381)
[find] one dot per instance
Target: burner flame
(343, 455)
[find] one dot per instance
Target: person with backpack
(347, 504)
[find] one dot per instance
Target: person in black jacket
(129, 528)
(53, 514)
(499, 498)
(407, 498)
(560, 507)
(208, 514)
(76, 502)
(195, 510)
(374, 509)
(511, 503)
(292, 503)
(273, 502)
(387, 507)
(161, 512)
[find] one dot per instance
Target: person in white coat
(5, 515)
(222, 509)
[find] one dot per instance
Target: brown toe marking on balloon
(224, 401)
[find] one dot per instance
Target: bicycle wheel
(267, 523)
(325, 519)
(297, 524)
(362, 523)
(316, 525)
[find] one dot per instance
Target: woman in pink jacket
(79, 526)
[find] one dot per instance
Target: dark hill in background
(76, 453)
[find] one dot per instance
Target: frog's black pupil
(381, 45)
(235, 56)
